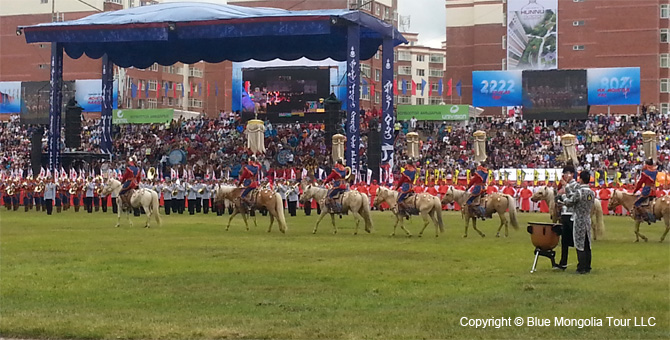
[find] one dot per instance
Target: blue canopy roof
(190, 32)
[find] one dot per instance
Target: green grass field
(75, 276)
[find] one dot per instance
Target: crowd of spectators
(218, 144)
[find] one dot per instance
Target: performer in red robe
(604, 195)
(525, 195)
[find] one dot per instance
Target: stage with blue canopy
(191, 32)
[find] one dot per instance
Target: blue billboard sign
(88, 93)
(614, 86)
(496, 88)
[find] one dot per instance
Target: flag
(597, 178)
(449, 92)
(439, 88)
(413, 88)
(146, 90)
(458, 88)
(372, 91)
(430, 89)
(546, 177)
(167, 88)
(423, 86)
(174, 90)
(320, 173)
(395, 87)
(133, 90)
(207, 89)
(518, 177)
(182, 90)
(158, 89)
(404, 87)
(191, 84)
(216, 89)
(184, 174)
(213, 175)
(200, 89)
(536, 177)
(304, 173)
(369, 177)
(365, 87)
(173, 174)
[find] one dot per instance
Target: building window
(195, 72)
(665, 60)
(665, 85)
(365, 70)
(152, 103)
(504, 21)
(665, 107)
(404, 56)
(420, 57)
(504, 42)
(437, 58)
(365, 96)
(378, 97)
(664, 35)
(578, 23)
(152, 85)
(436, 73)
(154, 67)
(577, 0)
(577, 47)
(405, 70)
(419, 87)
(44, 1)
(435, 100)
(42, 66)
(404, 100)
(378, 75)
(503, 62)
(419, 101)
(420, 72)
(192, 102)
(170, 101)
(378, 9)
(665, 11)
(378, 55)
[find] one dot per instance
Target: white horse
(546, 194)
(353, 201)
(427, 205)
(145, 198)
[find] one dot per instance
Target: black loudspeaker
(36, 150)
(374, 151)
(73, 124)
(334, 117)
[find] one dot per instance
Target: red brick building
(591, 33)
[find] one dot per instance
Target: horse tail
(155, 207)
(600, 225)
(279, 207)
(365, 212)
(511, 205)
(437, 208)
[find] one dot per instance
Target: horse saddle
(411, 204)
(336, 206)
(647, 201)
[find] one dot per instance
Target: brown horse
(425, 205)
(547, 194)
(660, 207)
(494, 203)
(264, 198)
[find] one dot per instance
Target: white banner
(531, 34)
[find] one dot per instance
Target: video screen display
(285, 90)
(555, 95)
(35, 100)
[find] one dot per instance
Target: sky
(428, 18)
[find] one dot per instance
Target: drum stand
(546, 253)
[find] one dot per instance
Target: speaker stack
(73, 125)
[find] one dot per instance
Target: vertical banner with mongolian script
(387, 103)
(532, 28)
(353, 97)
(55, 106)
(107, 104)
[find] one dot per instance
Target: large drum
(545, 237)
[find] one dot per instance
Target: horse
(147, 199)
(493, 203)
(426, 205)
(660, 208)
(354, 201)
(546, 194)
(265, 198)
